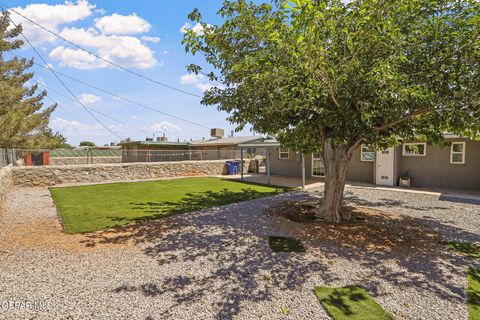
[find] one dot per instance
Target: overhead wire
(142, 105)
(63, 108)
(62, 82)
(91, 109)
(100, 57)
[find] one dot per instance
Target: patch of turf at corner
(350, 303)
(285, 244)
(473, 294)
(464, 248)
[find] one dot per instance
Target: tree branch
(389, 125)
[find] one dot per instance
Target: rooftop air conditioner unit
(217, 133)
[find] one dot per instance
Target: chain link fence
(28, 157)
(7, 156)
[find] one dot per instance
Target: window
(414, 149)
(457, 153)
(318, 168)
(283, 153)
(367, 153)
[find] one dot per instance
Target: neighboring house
(213, 149)
(147, 151)
(224, 147)
(456, 166)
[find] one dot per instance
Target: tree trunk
(336, 161)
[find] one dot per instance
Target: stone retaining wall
(5, 182)
(52, 175)
(82, 160)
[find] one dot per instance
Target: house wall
(140, 153)
(291, 167)
(359, 171)
(435, 169)
(432, 170)
(217, 152)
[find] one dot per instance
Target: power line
(125, 99)
(63, 108)
(100, 57)
(63, 83)
(91, 109)
(69, 98)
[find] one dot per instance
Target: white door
(385, 167)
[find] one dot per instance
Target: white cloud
(198, 28)
(110, 37)
(151, 39)
(51, 17)
(126, 51)
(77, 131)
(191, 78)
(75, 58)
(165, 52)
(120, 24)
(77, 128)
(164, 126)
(204, 86)
(88, 98)
(100, 11)
(198, 80)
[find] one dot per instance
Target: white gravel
(216, 264)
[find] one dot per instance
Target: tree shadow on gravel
(197, 201)
(148, 228)
(405, 251)
(223, 253)
(389, 203)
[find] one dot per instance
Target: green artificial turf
(98, 207)
(350, 303)
(465, 248)
(284, 244)
(473, 294)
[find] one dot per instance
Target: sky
(143, 36)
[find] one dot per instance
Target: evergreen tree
(23, 116)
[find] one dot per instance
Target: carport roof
(263, 142)
(226, 141)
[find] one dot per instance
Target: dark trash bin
(236, 165)
(232, 167)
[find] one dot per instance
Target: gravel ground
(216, 263)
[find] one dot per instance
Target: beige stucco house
(456, 166)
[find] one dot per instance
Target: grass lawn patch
(473, 294)
(284, 244)
(465, 248)
(350, 303)
(102, 206)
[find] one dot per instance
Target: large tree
(23, 116)
(328, 76)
